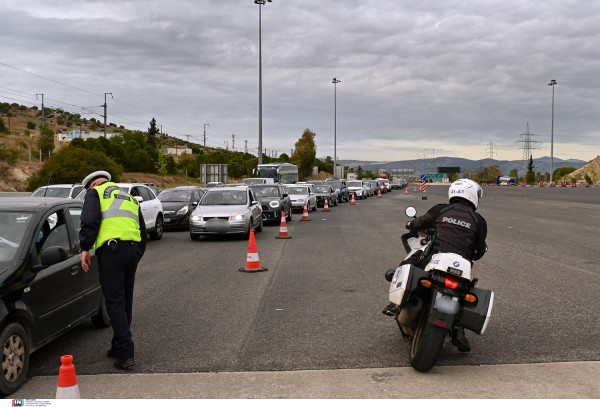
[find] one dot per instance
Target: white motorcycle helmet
(465, 189)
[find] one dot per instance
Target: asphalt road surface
(318, 307)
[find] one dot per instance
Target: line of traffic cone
(252, 260)
(283, 232)
(67, 387)
(326, 206)
(353, 201)
(305, 212)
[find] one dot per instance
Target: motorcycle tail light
(450, 282)
(426, 283)
(470, 298)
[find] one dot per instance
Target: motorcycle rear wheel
(427, 344)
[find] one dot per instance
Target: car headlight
(274, 204)
(238, 217)
(196, 218)
(300, 200)
(183, 210)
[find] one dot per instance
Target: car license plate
(167, 220)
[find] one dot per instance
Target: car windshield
(335, 184)
(175, 195)
(54, 192)
(224, 198)
(263, 192)
(12, 232)
(297, 190)
(322, 189)
(354, 184)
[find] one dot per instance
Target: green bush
(70, 165)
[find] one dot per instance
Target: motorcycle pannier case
(475, 317)
(404, 282)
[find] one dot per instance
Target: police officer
(112, 223)
(459, 229)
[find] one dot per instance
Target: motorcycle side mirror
(411, 212)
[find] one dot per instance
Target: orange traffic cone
(326, 207)
(283, 233)
(415, 188)
(352, 202)
(67, 387)
(379, 193)
(305, 213)
(406, 191)
(252, 261)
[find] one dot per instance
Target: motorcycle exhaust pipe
(410, 311)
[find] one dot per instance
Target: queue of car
(43, 287)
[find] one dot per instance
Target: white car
(358, 188)
(58, 191)
(150, 205)
(226, 210)
(301, 194)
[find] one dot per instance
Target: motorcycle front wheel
(427, 344)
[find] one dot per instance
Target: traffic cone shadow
(283, 232)
(67, 387)
(252, 260)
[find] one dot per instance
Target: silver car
(226, 210)
(301, 194)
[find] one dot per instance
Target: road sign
(423, 177)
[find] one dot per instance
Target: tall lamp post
(260, 4)
(335, 82)
(552, 83)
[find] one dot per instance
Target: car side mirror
(53, 255)
(284, 195)
(139, 199)
(255, 202)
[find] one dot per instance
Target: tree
(3, 128)
(70, 165)
(304, 154)
(530, 176)
(152, 132)
(514, 173)
(46, 140)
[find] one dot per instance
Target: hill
(429, 165)
(591, 169)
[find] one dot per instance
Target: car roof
(60, 186)
(30, 204)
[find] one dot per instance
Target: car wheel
(157, 233)
(15, 358)
(101, 319)
(259, 228)
(289, 215)
(194, 236)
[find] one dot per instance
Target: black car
(178, 203)
(43, 288)
(339, 185)
(273, 200)
(323, 191)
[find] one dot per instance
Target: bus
(284, 173)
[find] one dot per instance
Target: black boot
(460, 340)
(391, 310)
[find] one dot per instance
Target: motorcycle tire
(427, 344)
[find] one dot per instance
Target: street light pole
(260, 4)
(335, 82)
(552, 83)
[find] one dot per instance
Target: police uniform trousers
(117, 278)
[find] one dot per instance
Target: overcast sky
(418, 79)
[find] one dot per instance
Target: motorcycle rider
(458, 229)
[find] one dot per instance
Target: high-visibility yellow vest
(120, 215)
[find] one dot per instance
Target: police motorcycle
(432, 301)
